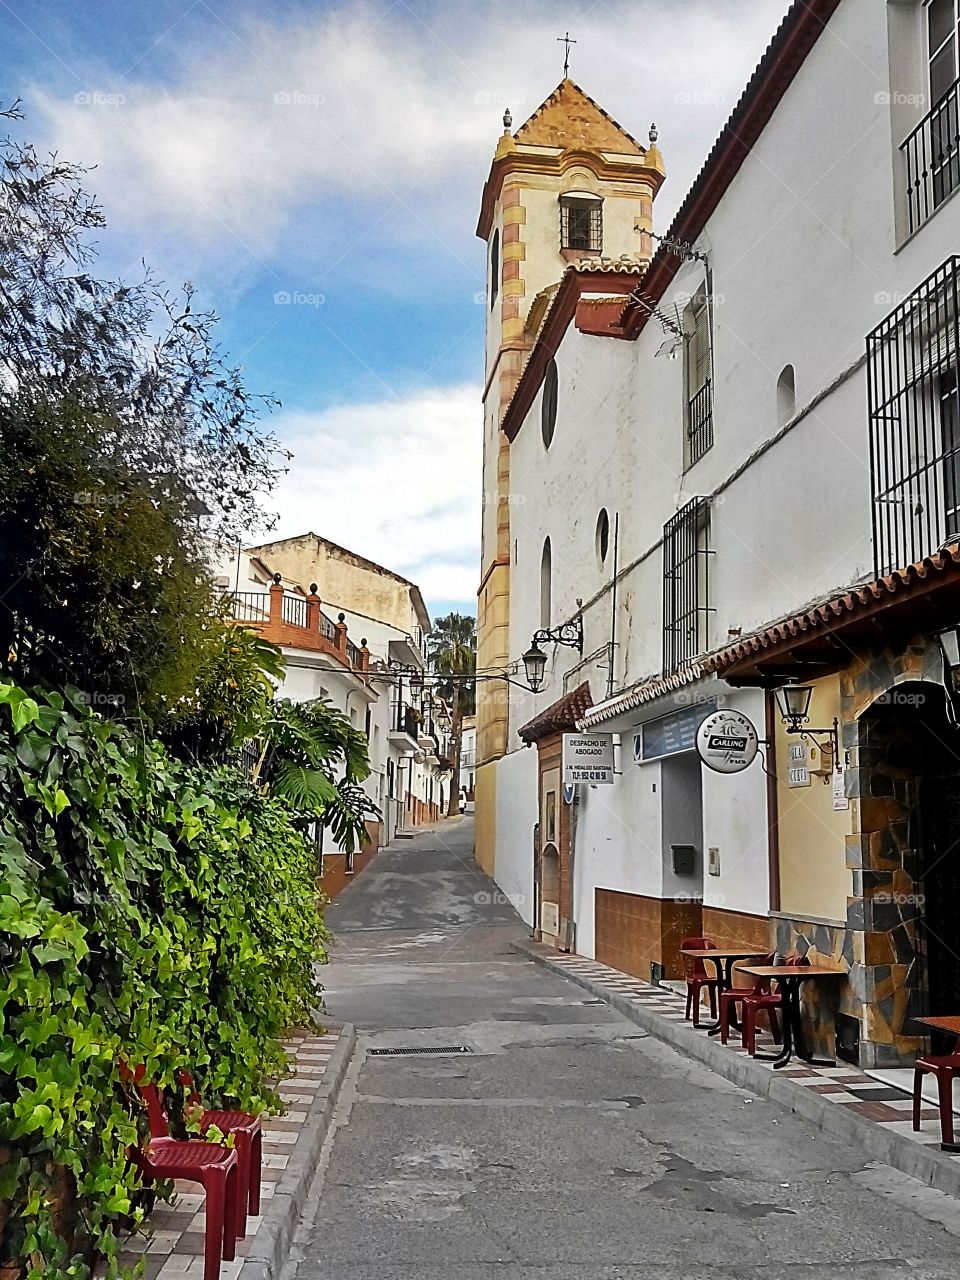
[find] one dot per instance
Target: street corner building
(721, 473)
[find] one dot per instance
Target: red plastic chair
(698, 978)
(770, 1002)
(753, 999)
(944, 1067)
(248, 1140)
(215, 1168)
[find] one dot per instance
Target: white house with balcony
(366, 666)
(732, 469)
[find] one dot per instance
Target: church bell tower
(570, 185)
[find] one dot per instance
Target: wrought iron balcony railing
(931, 158)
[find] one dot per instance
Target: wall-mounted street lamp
(535, 660)
(793, 701)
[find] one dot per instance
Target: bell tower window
(581, 222)
(494, 267)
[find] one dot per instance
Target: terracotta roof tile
(847, 605)
(561, 716)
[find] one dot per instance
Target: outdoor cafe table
(790, 978)
(723, 959)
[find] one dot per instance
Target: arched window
(494, 267)
(786, 394)
(546, 584)
(603, 535)
(548, 405)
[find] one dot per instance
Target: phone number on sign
(589, 775)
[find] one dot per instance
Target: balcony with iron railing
(404, 722)
(293, 620)
(931, 159)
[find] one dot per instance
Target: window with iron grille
(581, 224)
(912, 360)
(931, 154)
(686, 583)
(698, 435)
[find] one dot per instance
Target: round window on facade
(548, 406)
(603, 535)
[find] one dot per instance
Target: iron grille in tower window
(686, 583)
(581, 225)
(915, 423)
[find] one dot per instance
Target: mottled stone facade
(889, 700)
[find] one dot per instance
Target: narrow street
(566, 1144)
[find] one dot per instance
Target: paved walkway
(565, 1144)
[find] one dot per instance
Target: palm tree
(453, 654)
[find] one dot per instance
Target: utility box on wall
(684, 859)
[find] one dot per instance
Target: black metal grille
(247, 606)
(686, 557)
(581, 225)
(294, 609)
(931, 158)
(328, 628)
(406, 1052)
(915, 423)
(354, 656)
(699, 423)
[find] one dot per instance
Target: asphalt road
(566, 1145)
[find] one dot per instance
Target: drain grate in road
(433, 1048)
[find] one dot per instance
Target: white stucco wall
(516, 818)
(807, 255)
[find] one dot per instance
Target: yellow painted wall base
(485, 809)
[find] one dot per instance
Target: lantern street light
(793, 701)
(535, 666)
(535, 660)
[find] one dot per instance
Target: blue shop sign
(672, 734)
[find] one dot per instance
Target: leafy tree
(127, 441)
(453, 655)
(315, 760)
(233, 698)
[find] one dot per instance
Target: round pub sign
(727, 741)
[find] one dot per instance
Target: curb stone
(270, 1247)
(923, 1163)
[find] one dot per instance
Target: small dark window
(581, 224)
(494, 267)
(603, 535)
(548, 405)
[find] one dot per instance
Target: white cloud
(368, 476)
(251, 126)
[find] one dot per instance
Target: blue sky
(315, 170)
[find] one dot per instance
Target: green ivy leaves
(150, 912)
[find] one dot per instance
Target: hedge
(150, 912)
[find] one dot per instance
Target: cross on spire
(566, 41)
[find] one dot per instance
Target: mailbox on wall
(684, 859)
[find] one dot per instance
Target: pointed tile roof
(570, 118)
